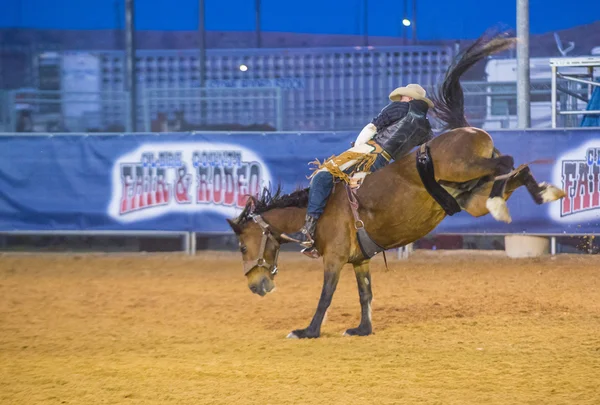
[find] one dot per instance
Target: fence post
(404, 252)
(279, 108)
(185, 242)
(12, 112)
(193, 243)
(128, 123)
(553, 98)
(146, 108)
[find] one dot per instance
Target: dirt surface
(449, 329)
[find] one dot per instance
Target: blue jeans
(322, 184)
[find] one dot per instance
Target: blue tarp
(593, 104)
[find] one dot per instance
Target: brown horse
(394, 204)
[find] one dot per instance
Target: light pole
(202, 58)
(366, 21)
(414, 22)
(405, 21)
(258, 36)
(131, 82)
(202, 31)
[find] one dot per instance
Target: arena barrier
(191, 182)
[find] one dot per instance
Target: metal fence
(30, 110)
(493, 105)
(296, 89)
(489, 105)
(197, 109)
(321, 88)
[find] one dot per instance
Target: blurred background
(266, 64)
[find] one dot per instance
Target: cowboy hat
(412, 90)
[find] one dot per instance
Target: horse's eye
(243, 249)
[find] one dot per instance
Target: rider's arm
(391, 113)
(366, 134)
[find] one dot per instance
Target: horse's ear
(236, 228)
(251, 204)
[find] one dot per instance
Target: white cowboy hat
(412, 90)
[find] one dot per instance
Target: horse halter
(266, 236)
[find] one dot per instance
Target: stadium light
(243, 68)
(406, 22)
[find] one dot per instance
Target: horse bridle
(267, 235)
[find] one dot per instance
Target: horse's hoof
(550, 193)
(303, 334)
(358, 332)
(498, 209)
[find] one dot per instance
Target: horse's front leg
(332, 276)
(363, 279)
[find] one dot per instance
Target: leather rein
(267, 235)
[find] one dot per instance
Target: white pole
(523, 99)
(553, 96)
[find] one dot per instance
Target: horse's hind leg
(540, 192)
(475, 202)
(363, 279)
(476, 167)
(496, 204)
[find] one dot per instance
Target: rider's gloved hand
(357, 179)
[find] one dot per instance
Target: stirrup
(308, 242)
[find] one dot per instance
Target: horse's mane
(269, 200)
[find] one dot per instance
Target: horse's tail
(449, 99)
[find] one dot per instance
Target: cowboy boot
(311, 252)
(306, 235)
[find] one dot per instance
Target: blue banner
(192, 182)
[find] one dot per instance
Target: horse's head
(259, 245)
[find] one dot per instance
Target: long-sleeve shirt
(391, 113)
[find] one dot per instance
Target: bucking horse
(459, 170)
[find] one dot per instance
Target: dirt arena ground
(449, 329)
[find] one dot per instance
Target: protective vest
(410, 131)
